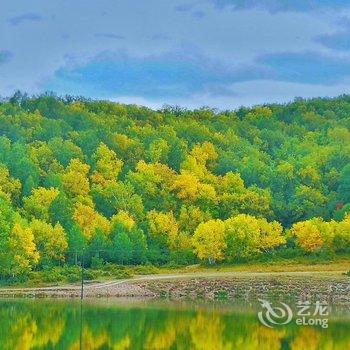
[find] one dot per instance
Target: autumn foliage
(130, 185)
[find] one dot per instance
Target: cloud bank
(222, 53)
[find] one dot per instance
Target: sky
(217, 53)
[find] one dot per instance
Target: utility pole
(81, 325)
(81, 299)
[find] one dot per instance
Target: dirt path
(209, 275)
(109, 286)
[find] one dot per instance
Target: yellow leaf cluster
(23, 249)
(163, 224)
(10, 188)
(50, 240)
(90, 220)
(38, 203)
(108, 166)
(123, 219)
(75, 180)
(308, 235)
(209, 240)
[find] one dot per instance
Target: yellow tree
(75, 180)
(17, 248)
(248, 236)
(207, 197)
(21, 254)
(37, 205)
(209, 240)
(124, 220)
(270, 234)
(22, 246)
(10, 188)
(187, 186)
(198, 160)
(231, 183)
(153, 182)
(50, 240)
(308, 235)
(44, 158)
(243, 234)
(310, 176)
(191, 216)
(164, 226)
(259, 112)
(108, 166)
(89, 220)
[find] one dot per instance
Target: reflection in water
(57, 324)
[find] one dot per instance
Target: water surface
(121, 325)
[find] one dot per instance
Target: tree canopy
(132, 185)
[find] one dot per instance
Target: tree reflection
(56, 325)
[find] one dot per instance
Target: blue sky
(217, 53)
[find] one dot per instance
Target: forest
(129, 185)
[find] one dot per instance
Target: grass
(68, 274)
(299, 264)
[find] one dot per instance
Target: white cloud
(69, 28)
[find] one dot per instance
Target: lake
(126, 324)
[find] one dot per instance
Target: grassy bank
(297, 265)
(59, 276)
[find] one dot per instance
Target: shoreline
(331, 286)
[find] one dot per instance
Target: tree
(199, 159)
(18, 254)
(270, 235)
(99, 247)
(61, 211)
(129, 243)
(38, 204)
(65, 150)
(190, 217)
(341, 241)
(235, 198)
(344, 184)
(89, 171)
(158, 151)
(118, 196)
(75, 180)
(209, 240)
(76, 242)
(248, 236)
(21, 250)
(107, 165)
(139, 246)
(9, 187)
(123, 219)
(43, 157)
(164, 228)
(50, 240)
(308, 236)
(186, 185)
(89, 220)
(122, 247)
(153, 183)
(308, 202)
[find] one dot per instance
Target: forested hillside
(132, 186)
